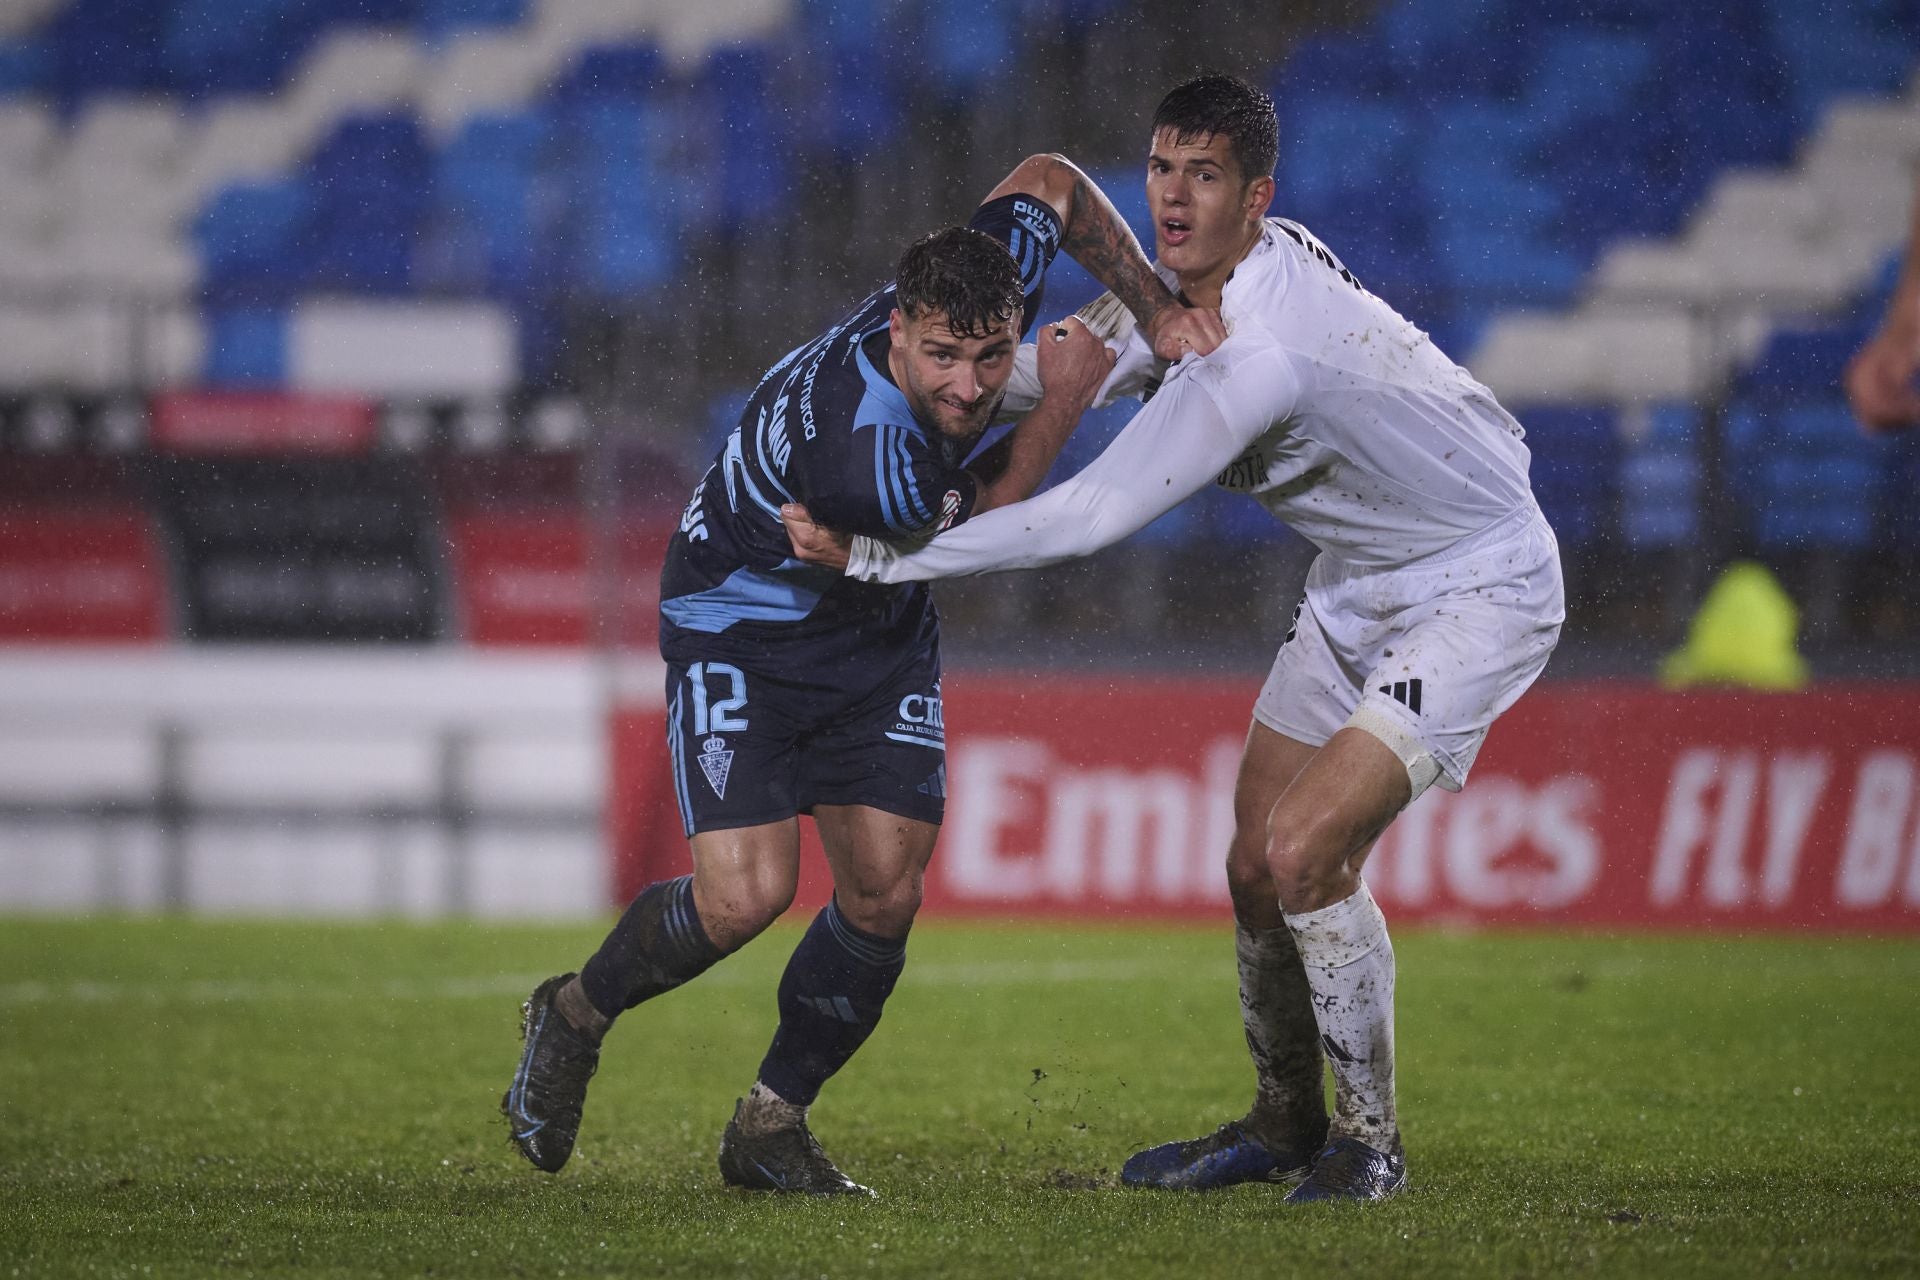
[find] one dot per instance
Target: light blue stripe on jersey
(677, 750)
(883, 401)
(883, 479)
(751, 595)
(904, 462)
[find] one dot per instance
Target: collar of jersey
(1249, 266)
(886, 398)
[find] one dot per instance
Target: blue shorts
(751, 745)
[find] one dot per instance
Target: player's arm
(1880, 379)
(1172, 449)
(1073, 365)
(1094, 235)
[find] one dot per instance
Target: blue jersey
(827, 427)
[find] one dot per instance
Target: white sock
(1276, 1008)
(1349, 964)
(763, 1111)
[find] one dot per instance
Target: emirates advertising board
(1603, 805)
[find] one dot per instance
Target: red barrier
(263, 422)
(1599, 805)
(85, 574)
(524, 576)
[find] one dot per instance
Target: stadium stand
(1654, 229)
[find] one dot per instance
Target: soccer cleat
(1349, 1169)
(1226, 1157)
(787, 1159)
(550, 1088)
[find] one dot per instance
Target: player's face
(1204, 213)
(952, 383)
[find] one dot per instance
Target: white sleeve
(1187, 435)
(1135, 366)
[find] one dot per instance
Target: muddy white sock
(1349, 965)
(1276, 1008)
(763, 1111)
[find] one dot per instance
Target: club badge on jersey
(716, 762)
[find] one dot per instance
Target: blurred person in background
(1434, 603)
(1880, 379)
(793, 690)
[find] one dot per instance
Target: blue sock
(830, 1001)
(658, 944)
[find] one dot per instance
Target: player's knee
(882, 906)
(1306, 873)
(1249, 881)
(750, 903)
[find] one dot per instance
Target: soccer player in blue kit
(791, 689)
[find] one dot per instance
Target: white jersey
(1324, 404)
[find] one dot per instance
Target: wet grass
(192, 1099)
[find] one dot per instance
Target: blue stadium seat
(1802, 362)
(105, 46)
(1337, 66)
(1334, 149)
(754, 160)
(1807, 476)
(1576, 469)
(1582, 72)
(487, 183)
(440, 20)
(1899, 486)
(26, 66)
(624, 237)
(628, 72)
(371, 187)
(1660, 489)
(250, 239)
(246, 347)
(969, 44)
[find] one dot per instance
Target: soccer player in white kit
(1433, 604)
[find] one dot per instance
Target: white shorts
(1423, 656)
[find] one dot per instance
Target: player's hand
(814, 543)
(1073, 362)
(1177, 331)
(1880, 382)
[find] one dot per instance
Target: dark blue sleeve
(892, 486)
(1030, 229)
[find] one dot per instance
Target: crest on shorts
(716, 762)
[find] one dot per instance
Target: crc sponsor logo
(918, 720)
(1024, 824)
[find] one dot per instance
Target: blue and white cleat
(1226, 1157)
(1349, 1169)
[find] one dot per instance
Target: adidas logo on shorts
(1404, 692)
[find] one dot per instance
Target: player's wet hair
(965, 274)
(1228, 107)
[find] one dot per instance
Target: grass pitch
(193, 1099)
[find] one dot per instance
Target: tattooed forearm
(1097, 238)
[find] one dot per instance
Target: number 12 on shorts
(717, 717)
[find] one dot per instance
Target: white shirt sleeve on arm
(1134, 367)
(1200, 422)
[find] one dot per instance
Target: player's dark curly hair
(965, 274)
(1228, 107)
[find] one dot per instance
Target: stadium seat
(246, 347)
(1575, 472)
(1660, 490)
